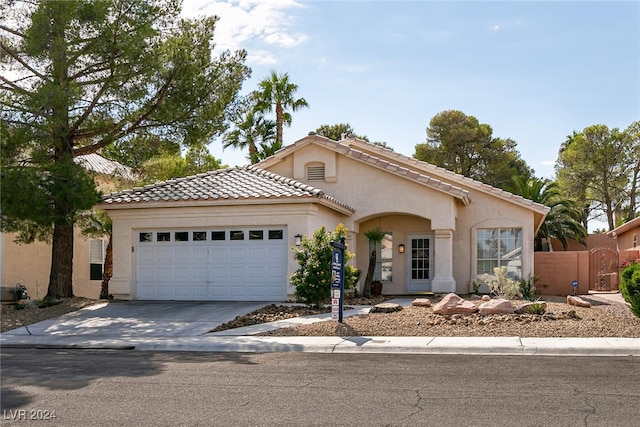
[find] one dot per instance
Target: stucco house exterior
(627, 235)
(30, 264)
(227, 234)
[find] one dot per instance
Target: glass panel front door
(420, 269)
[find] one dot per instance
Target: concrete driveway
(141, 319)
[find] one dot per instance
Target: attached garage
(234, 264)
(225, 235)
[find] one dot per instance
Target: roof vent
(315, 173)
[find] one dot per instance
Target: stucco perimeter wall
(31, 265)
(557, 270)
(297, 218)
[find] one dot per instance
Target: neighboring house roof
(247, 183)
(99, 164)
(625, 227)
(419, 171)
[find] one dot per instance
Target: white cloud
(355, 68)
(261, 57)
(245, 21)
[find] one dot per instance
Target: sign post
(337, 280)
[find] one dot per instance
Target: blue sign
(337, 280)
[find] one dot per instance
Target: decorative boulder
(577, 301)
(524, 308)
(421, 302)
(496, 306)
(385, 307)
(486, 298)
(453, 304)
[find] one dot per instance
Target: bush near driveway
(630, 286)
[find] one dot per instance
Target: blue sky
(535, 71)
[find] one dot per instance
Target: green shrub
(536, 308)
(630, 286)
(527, 288)
(312, 280)
(500, 285)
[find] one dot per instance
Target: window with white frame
(96, 259)
(384, 258)
(497, 247)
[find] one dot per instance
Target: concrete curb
(347, 345)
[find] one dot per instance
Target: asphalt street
(133, 388)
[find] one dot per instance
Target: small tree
(374, 236)
(313, 279)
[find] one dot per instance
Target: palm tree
(563, 220)
(276, 92)
(252, 130)
(374, 236)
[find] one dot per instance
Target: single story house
(227, 234)
(30, 264)
(627, 235)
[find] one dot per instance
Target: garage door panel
(164, 273)
(256, 272)
(275, 272)
(200, 291)
(217, 254)
(182, 254)
(182, 273)
(200, 254)
(257, 253)
(201, 273)
(212, 269)
(237, 272)
(182, 291)
(146, 255)
(237, 253)
(164, 254)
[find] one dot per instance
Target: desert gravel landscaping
(604, 319)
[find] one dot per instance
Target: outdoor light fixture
(401, 248)
(298, 239)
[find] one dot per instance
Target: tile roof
(237, 183)
(417, 170)
(99, 164)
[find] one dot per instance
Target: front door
(420, 269)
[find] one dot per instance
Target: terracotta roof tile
(246, 182)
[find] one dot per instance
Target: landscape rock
(577, 301)
(452, 303)
(496, 306)
(421, 302)
(524, 308)
(385, 307)
(486, 298)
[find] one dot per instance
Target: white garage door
(212, 265)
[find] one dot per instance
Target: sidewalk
(103, 333)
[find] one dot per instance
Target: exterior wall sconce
(298, 239)
(401, 248)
